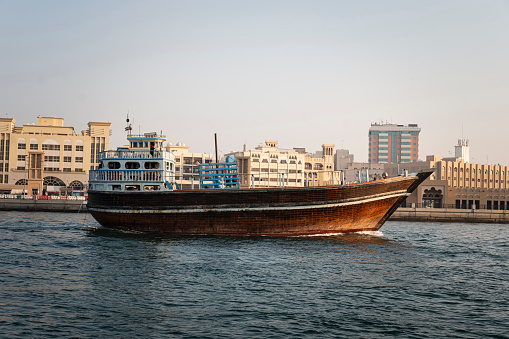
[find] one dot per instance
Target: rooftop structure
(462, 150)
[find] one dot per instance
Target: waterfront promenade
(401, 214)
(451, 215)
(69, 204)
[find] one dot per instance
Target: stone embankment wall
(52, 205)
(451, 215)
(402, 214)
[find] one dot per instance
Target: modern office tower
(391, 143)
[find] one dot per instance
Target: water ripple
(63, 276)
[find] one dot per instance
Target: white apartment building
(269, 166)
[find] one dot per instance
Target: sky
(305, 73)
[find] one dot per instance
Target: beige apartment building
(319, 167)
(49, 157)
(187, 165)
(269, 166)
(458, 184)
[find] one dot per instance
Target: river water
(61, 275)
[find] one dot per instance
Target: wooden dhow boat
(134, 190)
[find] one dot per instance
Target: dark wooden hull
(268, 212)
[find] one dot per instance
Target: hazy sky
(301, 72)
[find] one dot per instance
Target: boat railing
(128, 175)
(219, 175)
(131, 154)
(146, 136)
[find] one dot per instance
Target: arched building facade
(49, 157)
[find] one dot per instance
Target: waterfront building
(269, 166)
(458, 184)
(319, 163)
(187, 165)
(342, 158)
(391, 143)
(49, 157)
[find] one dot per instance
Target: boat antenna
(215, 138)
(128, 127)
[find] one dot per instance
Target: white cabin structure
(143, 166)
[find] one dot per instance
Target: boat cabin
(144, 165)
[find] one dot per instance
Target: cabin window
(132, 187)
(113, 165)
(151, 187)
(116, 187)
(132, 165)
(151, 165)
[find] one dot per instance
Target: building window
(68, 147)
(67, 159)
(79, 159)
(79, 148)
(52, 158)
(34, 147)
(22, 146)
(51, 147)
(21, 158)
